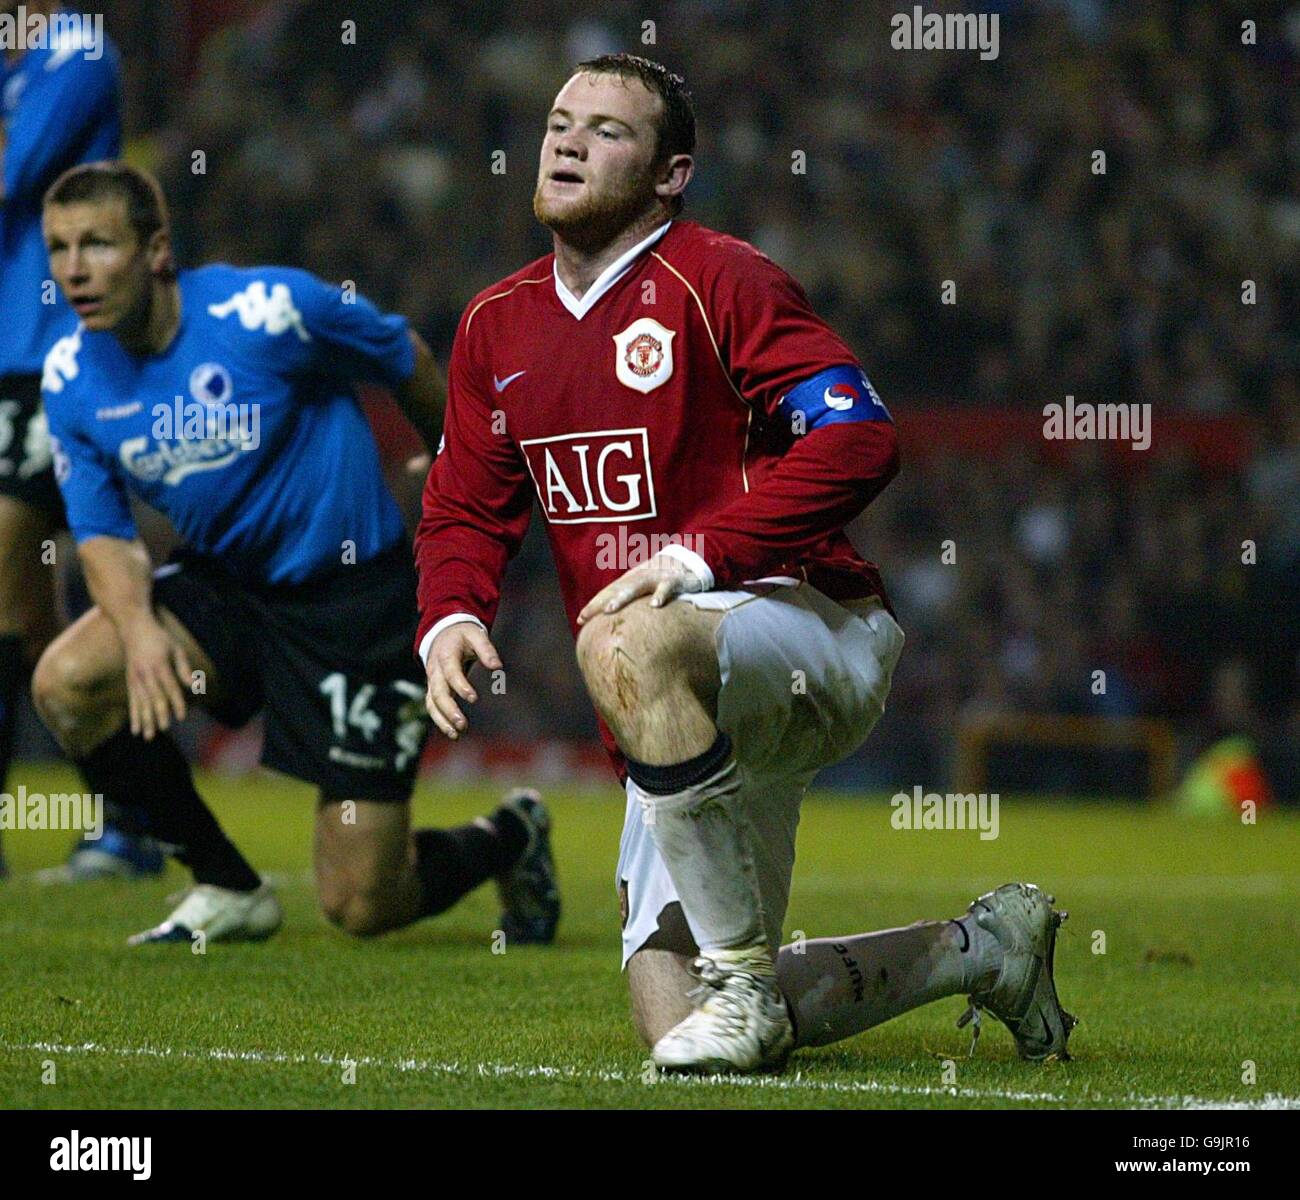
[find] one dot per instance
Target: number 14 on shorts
(400, 705)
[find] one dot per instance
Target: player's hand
(452, 652)
(662, 578)
(157, 676)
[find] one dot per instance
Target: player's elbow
(892, 460)
(868, 452)
(875, 458)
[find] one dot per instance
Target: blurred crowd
(374, 161)
(1181, 587)
(371, 158)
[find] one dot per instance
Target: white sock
(704, 837)
(837, 987)
(981, 956)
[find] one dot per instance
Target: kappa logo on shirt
(599, 476)
(273, 312)
(61, 363)
(643, 355)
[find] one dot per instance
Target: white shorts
(804, 680)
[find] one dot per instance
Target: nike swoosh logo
(502, 384)
(1033, 1027)
(840, 403)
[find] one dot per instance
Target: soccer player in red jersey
(697, 439)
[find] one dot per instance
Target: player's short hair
(676, 126)
(146, 207)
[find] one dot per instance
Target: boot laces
(719, 993)
(971, 1017)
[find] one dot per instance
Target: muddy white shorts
(804, 680)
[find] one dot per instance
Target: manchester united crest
(643, 355)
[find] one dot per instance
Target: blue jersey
(245, 432)
(60, 108)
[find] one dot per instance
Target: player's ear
(674, 175)
(159, 252)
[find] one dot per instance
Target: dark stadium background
(372, 162)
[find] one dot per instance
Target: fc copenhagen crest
(210, 384)
(643, 355)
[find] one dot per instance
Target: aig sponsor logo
(599, 476)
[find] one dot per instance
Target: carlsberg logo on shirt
(173, 461)
(191, 437)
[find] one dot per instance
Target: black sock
(151, 781)
(13, 674)
(677, 777)
(452, 862)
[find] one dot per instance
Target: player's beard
(598, 217)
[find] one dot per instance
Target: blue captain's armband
(834, 396)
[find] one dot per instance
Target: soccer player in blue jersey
(59, 106)
(222, 397)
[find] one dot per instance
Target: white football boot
(740, 1022)
(220, 915)
(1023, 997)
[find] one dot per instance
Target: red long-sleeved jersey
(658, 405)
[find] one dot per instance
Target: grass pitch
(1199, 923)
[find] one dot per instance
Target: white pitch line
(1170, 886)
(794, 1082)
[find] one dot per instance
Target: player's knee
(594, 648)
(622, 654)
(365, 917)
(333, 891)
(359, 912)
(61, 689)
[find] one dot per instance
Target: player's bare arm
(120, 579)
(423, 397)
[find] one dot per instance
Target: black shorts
(26, 463)
(330, 661)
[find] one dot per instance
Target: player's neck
(580, 266)
(157, 325)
